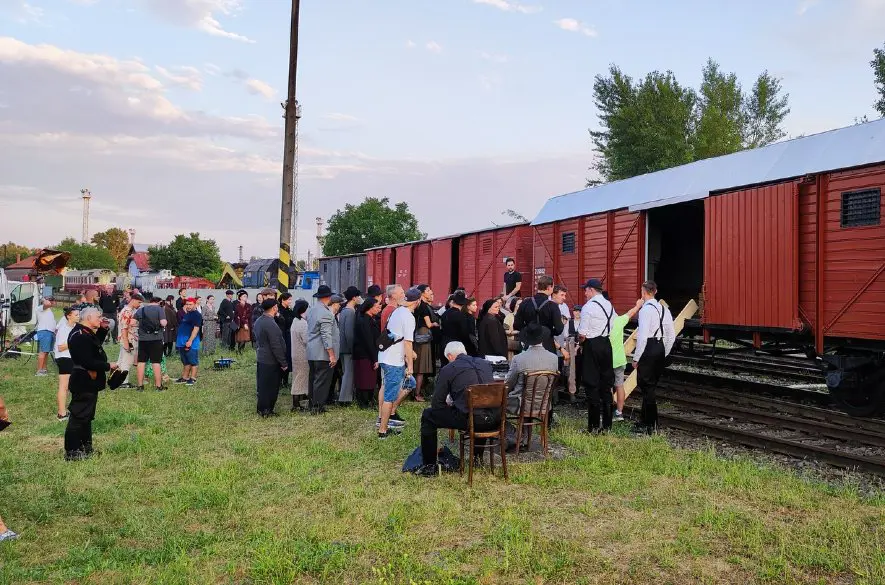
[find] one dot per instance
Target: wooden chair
(493, 395)
(537, 395)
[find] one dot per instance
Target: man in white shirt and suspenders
(598, 374)
(655, 335)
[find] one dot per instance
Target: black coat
(365, 336)
(492, 337)
(87, 353)
(548, 316)
(458, 326)
(225, 311)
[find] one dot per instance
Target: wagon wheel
(867, 399)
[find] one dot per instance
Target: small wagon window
(348, 265)
(568, 243)
(860, 208)
(487, 246)
(325, 267)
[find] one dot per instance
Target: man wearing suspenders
(655, 335)
(598, 373)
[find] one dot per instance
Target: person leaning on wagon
(655, 335)
(87, 380)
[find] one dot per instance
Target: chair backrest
(537, 394)
(492, 395)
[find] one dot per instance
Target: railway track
(783, 367)
(748, 414)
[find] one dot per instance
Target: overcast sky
(169, 110)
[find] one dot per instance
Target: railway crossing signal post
(288, 200)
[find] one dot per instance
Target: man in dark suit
(225, 318)
(542, 310)
(455, 325)
(448, 406)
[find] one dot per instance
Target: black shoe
(428, 470)
(77, 455)
(127, 386)
(181, 381)
(396, 416)
(641, 429)
(389, 433)
(139, 389)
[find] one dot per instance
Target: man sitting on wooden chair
(448, 406)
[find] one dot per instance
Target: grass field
(192, 487)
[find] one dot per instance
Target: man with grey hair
(448, 406)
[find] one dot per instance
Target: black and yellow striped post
(283, 268)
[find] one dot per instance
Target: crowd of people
(374, 350)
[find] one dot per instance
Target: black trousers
(598, 378)
(268, 377)
(450, 417)
(78, 435)
(319, 383)
(651, 365)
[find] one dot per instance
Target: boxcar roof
(843, 148)
(491, 228)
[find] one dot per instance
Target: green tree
(647, 125)
(721, 122)
(367, 225)
(10, 251)
(878, 65)
(656, 123)
(115, 241)
(86, 256)
(187, 256)
(765, 110)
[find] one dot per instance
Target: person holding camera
(151, 326)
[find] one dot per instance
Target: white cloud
(509, 6)
(805, 5)
(433, 47)
(494, 57)
(212, 69)
(21, 12)
(489, 82)
(258, 87)
(186, 77)
(410, 44)
(199, 14)
(572, 25)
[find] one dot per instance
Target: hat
(116, 378)
(534, 334)
(191, 300)
(136, 297)
(594, 283)
(268, 304)
(374, 291)
(268, 291)
(351, 293)
(228, 292)
(409, 383)
(577, 308)
(323, 292)
(423, 287)
(336, 298)
(50, 299)
(412, 295)
(459, 298)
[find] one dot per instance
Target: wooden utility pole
(288, 199)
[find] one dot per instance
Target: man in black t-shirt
(543, 311)
(512, 281)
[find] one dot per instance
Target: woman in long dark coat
(365, 351)
(492, 336)
(243, 319)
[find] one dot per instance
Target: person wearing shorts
(188, 342)
(619, 357)
(45, 336)
(63, 358)
(151, 326)
(396, 362)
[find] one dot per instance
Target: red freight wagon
(422, 253)
(380, 267)
(403, 262)
(481, 259)
(603, 245)
(442, 266)
(782, 244)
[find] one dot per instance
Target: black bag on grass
(445, 458)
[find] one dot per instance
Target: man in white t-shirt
(396, 361)
(45, 334)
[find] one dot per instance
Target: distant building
(23, 270)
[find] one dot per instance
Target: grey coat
(534, 359)
(347, 324)
(322, 333)
(270, 347)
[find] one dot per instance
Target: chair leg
(519, 423)
(544, 446)
(491, 456)
(461, 447)
(470, 463)
(502, 442)
(528, 444)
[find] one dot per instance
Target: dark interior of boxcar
(456, 263)
(676, 252)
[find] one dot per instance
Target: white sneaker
(8, 535)
(619, 416)
(42, 373)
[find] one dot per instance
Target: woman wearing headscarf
(425, 322)
(492, 337)
(470, 310)
(243, 319)
(300, 367)
(210, 326)
(365, 351)
(170, 332)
